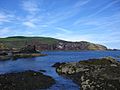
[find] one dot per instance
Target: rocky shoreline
(92, 74)
(27, 80)
(20, 55)
(25, 52)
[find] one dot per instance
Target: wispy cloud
(81, 3)
(102, 23)
(29, 24)
(100, 10)
(5, 17)
(68, 12)
(105, 7)
(4, 31)
(31, 6)
(63, 30)
(33, 17)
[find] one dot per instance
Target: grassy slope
(21, 41)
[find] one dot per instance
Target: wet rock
(28, 80)
(57, 64)
(3, 53)
(93, 74)
(42, 70)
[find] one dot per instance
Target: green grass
(20, 41)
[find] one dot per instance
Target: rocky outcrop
(93, 74)
(2, 46)
(28, 80)
(28, 49)
(64, 45)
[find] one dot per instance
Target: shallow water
(45, 63)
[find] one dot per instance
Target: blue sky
(96, 21)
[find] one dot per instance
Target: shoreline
(20, 55)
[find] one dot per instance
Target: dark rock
(93, 74)
(57, 64)
(28, 80)
(3, 53)
(42, 70)
(28, 49)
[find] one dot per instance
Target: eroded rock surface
(28, 80)
(93, 74)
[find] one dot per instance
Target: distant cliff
(46, 43)
(83, 45)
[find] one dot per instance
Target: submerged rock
(28, 80)
(42, 70)
(93, 74)
(57, 64)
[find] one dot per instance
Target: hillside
(46, 43)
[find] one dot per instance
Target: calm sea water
(45, 63)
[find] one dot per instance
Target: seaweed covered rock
(3, 47)
(28, 49)
(93, 74)
(28, 80)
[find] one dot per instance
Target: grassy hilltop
(47, 43)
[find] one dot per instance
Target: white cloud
(5, 31)
(68, 12)
(108, 22)
(81, 3)
(30, 6)
(100, 10)
(105, 7)
(29, 24)
(63, 30)
(6, 17)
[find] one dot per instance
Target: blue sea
(45, 63)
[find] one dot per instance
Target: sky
(96, 21)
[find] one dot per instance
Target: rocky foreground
(93, 74)
(28, 80)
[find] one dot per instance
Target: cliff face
(79, 46)
(64, 45)
(42, 43)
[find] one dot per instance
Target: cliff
(45, 43)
